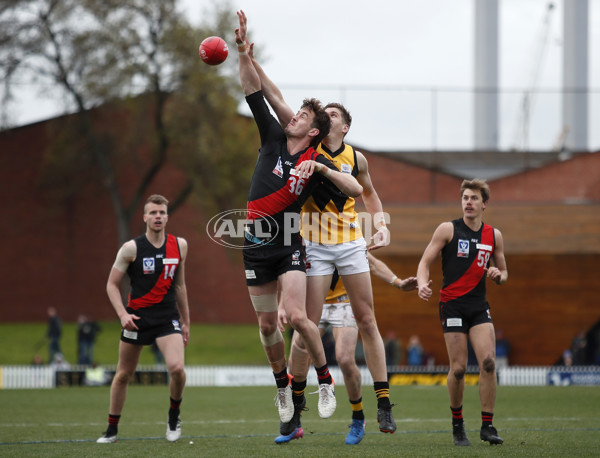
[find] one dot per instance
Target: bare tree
(105, 53)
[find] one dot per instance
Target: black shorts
(460, 317)
(146, 335)
(264, 264)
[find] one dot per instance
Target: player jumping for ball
(334, 239)
(287, 170)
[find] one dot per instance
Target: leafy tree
(140, 96)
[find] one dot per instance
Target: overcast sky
(404, 68)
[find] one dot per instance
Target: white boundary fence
(31, 377)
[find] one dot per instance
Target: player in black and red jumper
(157, 310)
(467, 246)
(287, 170)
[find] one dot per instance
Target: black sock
(486, 419)
(298, 391)
(113, 425)
(174, 409)
(323, 375)
(382, 390)
(457, 416)
(281, 378)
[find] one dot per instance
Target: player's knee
(122, 377)
(347, 363)
(367, 324)
(459, 373)
(299, 343)
(488, 365)
(270, 339)
(298, 321)
(267, 328)
(177, 373)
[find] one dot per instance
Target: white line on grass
(270, 420)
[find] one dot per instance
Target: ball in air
(213, 50)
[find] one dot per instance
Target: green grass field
(210, 344)
(232, 422)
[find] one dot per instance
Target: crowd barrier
(32, 377)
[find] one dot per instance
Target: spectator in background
(471, 357)
(359, 354)
(158, 356)
(95, 375)
(329, 347)
(393, 349)
(594, 343)
(59, 362)
(86, 338)
(567, 358)
(502, 349)
(579, 349)
(414, 351)
(53, 334)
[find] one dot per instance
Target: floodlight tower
(486, 75)
(575, 74)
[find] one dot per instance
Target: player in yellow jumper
(337, 313)
(342, 247)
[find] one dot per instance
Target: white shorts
(338, 315)
(348, 257)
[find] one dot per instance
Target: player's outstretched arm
(248, 77)
(381, 270)
(372, 203)
(345, 182)
(442, 235)
(271, 92)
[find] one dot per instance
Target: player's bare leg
(360, 293)
(129, 356)
(456, 344)
(345, 349)
(294, 301)
(172, 348)
(483, 339)
(345, 346)
(264, 299)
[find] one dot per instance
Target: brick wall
(60, 255)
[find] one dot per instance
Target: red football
(213, 50)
